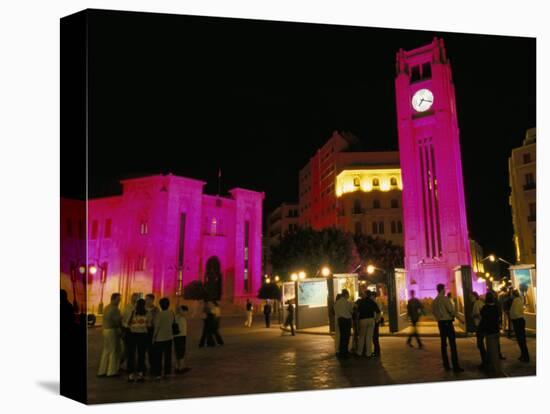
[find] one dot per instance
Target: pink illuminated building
(434, 210)
(163, 232)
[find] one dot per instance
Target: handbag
(175, 327)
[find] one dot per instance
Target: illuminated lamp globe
(492, 257)
(325, 271)
(93, 270)
(294, 277)
(277, 278)
(370, 269)
(267, 280)
(302, 275)
(82, 269)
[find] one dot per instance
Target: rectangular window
(181, 245)
(143, 228)
(141, 263)
(95, 226)
(107, 232)
(415, 74)
(426, 70)
(527, 158)
(246, 275)
(381, 227)
(399, 227)
(374, 227)
(532, 212)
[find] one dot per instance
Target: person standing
(180, 339)
(378, 321)
(336, 328)
(207, 336)
(267, 313)
(137, 335)
(162, 340)
(367, 313)
(476, 317)
(444, 313)
(249, 313)
(126, 312)
(289, 321)
(414, 311)
(216, 320)
(152, 311)
(343, 311)
(110, 356)
(489, 326)
(518, 322)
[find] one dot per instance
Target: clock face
(422, 100)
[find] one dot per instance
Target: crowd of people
(145, 336)
(491, 314)
(365, 315)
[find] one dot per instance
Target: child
(180, 339)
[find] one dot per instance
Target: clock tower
(434, 208)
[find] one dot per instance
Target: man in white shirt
(518, 322)
(343, 311)
(444, 313)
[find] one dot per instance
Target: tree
(269, 291)
(379, 252)
(194, 290)
(309, 250)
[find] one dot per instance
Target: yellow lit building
(523, 199)
(369, 202)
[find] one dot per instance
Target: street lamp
(294, 277)
(326, 272)
(370, 269)
(277, 278)
(302, 275)
(267, 280)
(493, 258)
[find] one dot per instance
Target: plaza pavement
(260, 360)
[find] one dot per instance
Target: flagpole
(219, 180)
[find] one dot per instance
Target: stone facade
(164, 232)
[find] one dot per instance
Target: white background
(29, 204)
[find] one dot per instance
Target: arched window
(375, 182)
(393, 182)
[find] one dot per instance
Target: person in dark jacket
(267, 313)
(414, 311)
(489, 326)
(289, 318)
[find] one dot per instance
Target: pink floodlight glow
(434, 208)
(164, 232)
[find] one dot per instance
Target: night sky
(189, 95)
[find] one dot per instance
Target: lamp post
(103, 280)
(327, 273)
